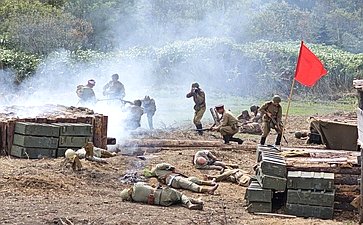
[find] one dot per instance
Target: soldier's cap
(125, 196)
(115, 76)
(195, 85)
(220, 106)
(276, 99)
(91, 82)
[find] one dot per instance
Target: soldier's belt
(171, 178)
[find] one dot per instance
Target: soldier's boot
(263, 140)
(238, 140)
(209, 190)
(199, 128)
(226, 139)
(278, 139)
(196, 201)
(192, 206)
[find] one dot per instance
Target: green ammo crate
(35, 142)
(36, 129)
(32, 153)
(310, 180)
(75, 129)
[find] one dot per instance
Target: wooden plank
(41, 120)
(10, 135)
(97, 131)
(104, 126)
(336, 170)
(346, 179)
(3, 138)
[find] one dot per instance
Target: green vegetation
(232, 42)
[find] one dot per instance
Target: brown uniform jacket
(228, 119)
(276, 111)
(198, 97)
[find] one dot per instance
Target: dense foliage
(230, 41)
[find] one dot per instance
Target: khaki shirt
(210, 158)
(86, 93)
(149, 106)
(162, 196)
(199, 98)
(276, 111)
(228, 119)
(114, 89)
(162, 170)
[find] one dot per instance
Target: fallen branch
(275, 214)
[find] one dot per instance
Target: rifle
(204, 129)
(110, 99)
(277, 127)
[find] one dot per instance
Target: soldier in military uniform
(86, 94)
(166, 174)
(165, 196)
(244, 117)
(200, 106)
(272, 115)
(232, 175)
(228, 126)
(114, 89)
(256, 114)
(149, 108)
(135, 112)
(205, 160)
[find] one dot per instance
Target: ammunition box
(310, 180)
(273, 167)
(264, 207)
(73, 142)
(271, 182)
(255, 193)
(35, 142)
(310, 211)
(36, 129)
(32, 153)
(75, 129)
(267, 150)
(309, 197)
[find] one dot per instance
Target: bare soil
(41, 192)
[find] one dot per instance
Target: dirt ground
(42, 192)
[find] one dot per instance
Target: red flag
(309, 69)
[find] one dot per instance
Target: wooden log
(104, 125)
(347, 188)
(10, 135)
(336, 170)
(169, 143)
(41, 120)
(3, 138)
(345, 197)
(85, 119)
(347, 179)
(344, 206)
(97, 131)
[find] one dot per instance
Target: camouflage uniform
(86, 94)
(141, 192)
(114, 88)
(233, 175)
(200, 105)
(276, 113)
(166, 174)
(149, 108)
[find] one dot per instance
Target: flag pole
(291, 92)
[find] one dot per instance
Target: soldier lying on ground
(72, 158)
(244, 117)
(232, 175)
(205, 160)
(251, 128)
(166, 174)
(166, 196)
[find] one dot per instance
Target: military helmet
(195, 85)
(276, 99)
(137, 102)
(125, 196)
(115, 76)
(254, 108)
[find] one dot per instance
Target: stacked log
(50, 114)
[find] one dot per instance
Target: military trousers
(190, 183)
(198, 114)
(228, 130)
(267, 125)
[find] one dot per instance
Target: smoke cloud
(56, 78)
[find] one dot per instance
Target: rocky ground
(42, 192)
